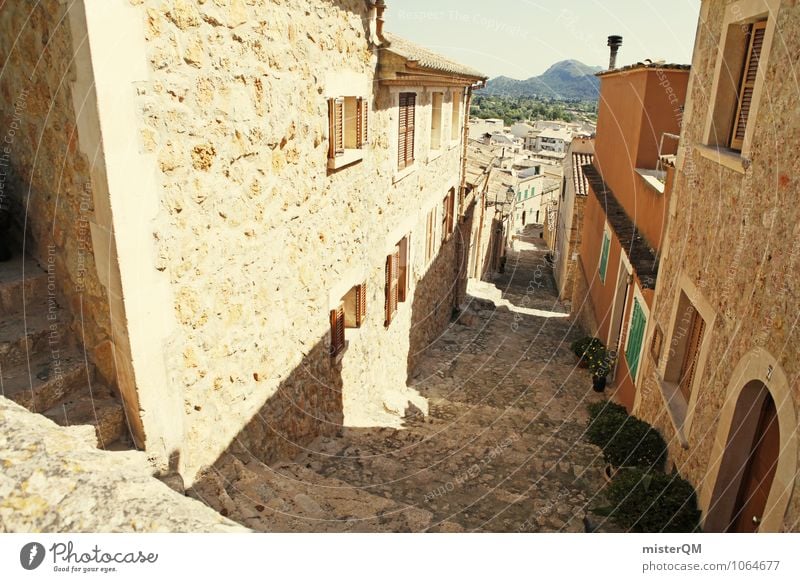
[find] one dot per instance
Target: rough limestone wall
(255, 232)
(55, 479)
(737, 237)
(42, 168)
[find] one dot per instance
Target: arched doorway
(748, 464)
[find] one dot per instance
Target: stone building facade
(277, 193)
(721, 372)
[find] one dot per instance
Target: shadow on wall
(436, 293)
(306, 405)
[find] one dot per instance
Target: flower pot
(582, 363)
(598, 383)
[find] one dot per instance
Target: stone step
(22, 283)
(286, 497)
(101, 410)
(24, 334)
(51, 377)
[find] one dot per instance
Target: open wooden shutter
(362, 122)
(361, 304)
(396, 279)
(336, 127)
(389, 278)
(411, 106)
(749, 73)
(337, 330)
(690, 356)
(402, 285)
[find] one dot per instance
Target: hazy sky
(522, 38)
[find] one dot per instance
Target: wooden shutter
(336, 127)
(337, 330)
(405, 146)
(362, 122)
(749, 73)
(361, 304)
(633, 352)
(389, 312)
(691, 354)
(402, 284)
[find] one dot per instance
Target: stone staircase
(41, 366)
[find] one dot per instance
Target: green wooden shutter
(635, 338)
(604, 257)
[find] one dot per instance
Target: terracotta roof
(578, 177)
(428, 59)
(643, 259)
(645, 66)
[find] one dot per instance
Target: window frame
(350, 130)
(408, 162)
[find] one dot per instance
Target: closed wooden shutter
(405, 149)
(634, 349)
(336, 127)
(361, 304)
(362, 122)
(689, 366)
(749, 73)
(337, 330)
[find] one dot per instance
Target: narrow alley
(501, 449)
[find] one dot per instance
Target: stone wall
(260, 240)
(43, 171)
(55, 480)
(735, 237)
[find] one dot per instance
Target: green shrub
(650, 502)
(626, 441)
(586, 344)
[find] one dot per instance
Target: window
(456, 121)
(392, 285)
(348, 130)
(430, 236)
(755, 44)
(448, 210)
(436, 120)
(657, 344)
(635, 337)
(351, 313)
(604, 256)
(405, 145)
(687, 337)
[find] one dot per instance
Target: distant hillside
(568, 80)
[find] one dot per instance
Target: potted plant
(600, 362)
(582, 347)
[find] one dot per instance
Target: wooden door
(759, 472)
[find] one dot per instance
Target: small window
(657, 344)
(436, 121)
(448, 209)
(351, 313)
(456, 121)
(687, 337)
(348, 130)
(405, 137)
(635, 338)
(603, 256)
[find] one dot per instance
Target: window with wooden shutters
(392, 285)
(691, 353)
(445, 211)
(635, 337)
(755, 44)
(337, 330)
(336, 127)
(405, 137)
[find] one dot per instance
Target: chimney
(381, 6)
(614, 42)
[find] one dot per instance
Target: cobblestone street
(501, 449)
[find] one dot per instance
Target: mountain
(564, 80)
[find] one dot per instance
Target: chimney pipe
(614, 41)
(381, 7)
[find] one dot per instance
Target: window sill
(404, 173)
(434, 155)
(347, 158)
(676, 407)
(725, 157)
(653, 178)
